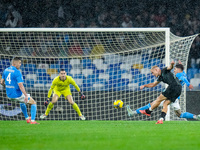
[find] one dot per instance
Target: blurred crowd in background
(182, 16)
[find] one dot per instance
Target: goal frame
(166, 30)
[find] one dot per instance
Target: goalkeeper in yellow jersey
(60, 86)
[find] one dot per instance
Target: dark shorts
(172, 92)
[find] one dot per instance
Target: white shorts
(175, 104)
(20, 99)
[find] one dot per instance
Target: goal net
(108, 64)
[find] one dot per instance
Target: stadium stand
(160, 15)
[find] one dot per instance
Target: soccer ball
(118, 104)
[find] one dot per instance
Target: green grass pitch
(100, 135)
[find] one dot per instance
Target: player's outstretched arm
(171, 66)
(77, 88)
(3, 80)
(190, 86)
(3, 83)
(50, 92)
(46, 103)
(150, 85)
(179, 62)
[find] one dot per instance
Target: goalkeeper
(60, 86)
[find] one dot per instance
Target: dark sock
(148, 111)
(163, 114)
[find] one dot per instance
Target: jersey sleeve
(164, 70)
(74, 84)
(19, 77)
(184, 79)
(54, 83)
(178, 75)
(52, 87)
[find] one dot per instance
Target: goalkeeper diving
(60, 86)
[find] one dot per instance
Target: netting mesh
(106, 65)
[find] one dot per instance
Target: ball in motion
(118, 104)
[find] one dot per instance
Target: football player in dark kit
(172, 92)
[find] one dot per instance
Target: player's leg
(33, 110)
(186, 115)
(75, 106)
(154, 105)
(177, 110)
(23, 107)
(24, 111)
(163, 112)
(165, 106)
(55, 98)
(137, 111)
(68, 95)
(157, 102)
(172, 93)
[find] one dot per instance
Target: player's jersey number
(9, 78)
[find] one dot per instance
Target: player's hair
(180, 66)
(16, 59)
(62, 70)
(154, 67)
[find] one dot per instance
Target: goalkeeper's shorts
(65, 92)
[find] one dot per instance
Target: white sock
(194, 117)
(134, 112)
(27, 118)
(161, 119)
(32, 120)
(150, 109)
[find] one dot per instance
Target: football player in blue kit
(13, 81)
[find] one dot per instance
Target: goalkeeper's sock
(24, 110)
(49, 107)
(143, 108)
(76, 108)
(187, 115)
(33, 111)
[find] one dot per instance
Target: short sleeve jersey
(12, 77)
(60, 85)
(168, 77)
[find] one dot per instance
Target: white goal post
(107, 64)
